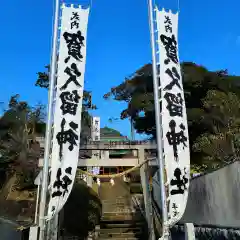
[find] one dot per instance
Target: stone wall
(8, 231)
(213, 198)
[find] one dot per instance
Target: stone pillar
(89, 178)
(105, 154)
(33, 233)
(146, 193)
(189, 231)
(53, 228)
(135, 153)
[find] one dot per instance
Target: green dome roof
(109, 132)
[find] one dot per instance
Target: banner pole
(158, 119)
(48, 133)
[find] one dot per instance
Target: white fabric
(73, 20)
(167, 24)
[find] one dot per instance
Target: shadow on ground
(81, 213)
(138, 219)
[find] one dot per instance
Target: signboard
(96, 137)
(96, 129)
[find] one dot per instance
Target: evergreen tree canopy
(212, 101)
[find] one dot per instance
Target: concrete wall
(8, 232)
(214, 198)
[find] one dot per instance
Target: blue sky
(118, 44)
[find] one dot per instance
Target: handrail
(154, 180)
(156, 208)
(156, 214)
(138, 205)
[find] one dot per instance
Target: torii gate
(138, 149)
(139, 158)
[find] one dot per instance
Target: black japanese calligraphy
(176, 138)
(180, 181)
(170, 45)
(62, 184)
(57, 184)
(67, 136)
(75, 16)
(167, 20)
(73, 73)
(68, 170)
(74, 43)
(175, 209)
(175, 79)
(69, 102)
(75, 20)
(168, 24)
(53, 210)
(175, 104)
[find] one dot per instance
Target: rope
(113, 175)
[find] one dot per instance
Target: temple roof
(109, 134)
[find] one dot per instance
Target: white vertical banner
(96, 137)
(174, 118)
(68, 109)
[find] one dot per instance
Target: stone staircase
(121, 230)
(120, 219)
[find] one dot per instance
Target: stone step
(120, 217)
(114, 203)
(117, 235)
(118, 198)
(121, 224)
(118, 210)
(118, 238)
(117, 206)
(120, 230)
(123, 213)
(117, 218)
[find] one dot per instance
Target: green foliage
(19, 151)
(223, 117)
(19, 126)
(212, 101)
